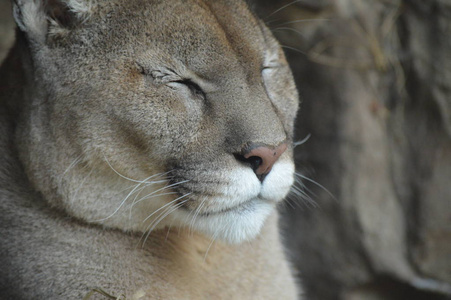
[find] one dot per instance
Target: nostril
(261, 158)
(255, 162)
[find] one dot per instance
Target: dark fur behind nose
(261, 158)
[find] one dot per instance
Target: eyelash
(194, 87)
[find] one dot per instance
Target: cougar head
(144, 114)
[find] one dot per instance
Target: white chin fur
(278, 182)
(235, 226)
(235, 216)
(247, 204)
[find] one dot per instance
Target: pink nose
(262, 158)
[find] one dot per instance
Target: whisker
(196, 214)
(129, 194)
(288, 29)
(130, 179)
(129, 187)
(138, 192)
(158, 195)
(165, 208)
(148, 196)
(115, 171)
(289, 202)
(146, 233)
(171, 210)
(303, 21)
(73, 164)
(213, 239)
(134, 202)
(209, 247)
(300, 193)
(304, 187)
(271, 21)
(81, 184)
(303, 141)
(317, 184)
(187, 218)
(168, 212)
(167, 234)
(294, 49)
(167, 204)
(137, 189)
(282, 8)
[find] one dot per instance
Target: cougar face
(146, 120)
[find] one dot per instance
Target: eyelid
(275, 65)
(187, 81)
(160, 75)
(269, 69)
(164, 77)
(193, 86)
(167, 76)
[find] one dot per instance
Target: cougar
(144, 148)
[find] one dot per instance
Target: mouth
(231, 223)
(231, 206)
(216, 200)
(241, 208)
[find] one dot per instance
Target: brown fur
(94, 102)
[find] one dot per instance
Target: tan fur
(119, 173)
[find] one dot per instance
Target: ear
(30, 18)
(38, 18)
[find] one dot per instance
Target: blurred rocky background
(372, 216)
(374, 78)
(6, 28)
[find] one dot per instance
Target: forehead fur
(200, 36)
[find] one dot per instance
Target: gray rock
(375, 81)
(6, 28)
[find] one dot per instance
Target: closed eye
(169, 77)
(195, 89)
(272, 66)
